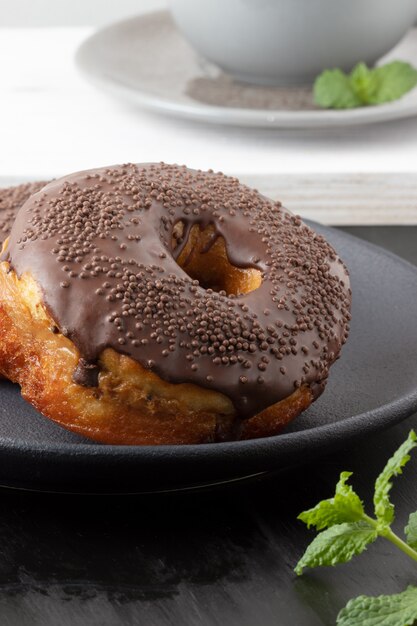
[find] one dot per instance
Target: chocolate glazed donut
(11, 199)
(190, 274)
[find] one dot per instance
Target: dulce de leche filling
(106, 247)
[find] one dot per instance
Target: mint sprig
(411, 531)
(337, 544)
(345, 506)
(395, 610)
(347, 530)
(384, 510)
(334, 89)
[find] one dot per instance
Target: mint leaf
(349, 530)
(333, 90)
(345, 506)
(394, 80)
(411, 531)
(337, 544)
(395, 610)
(384, 510)
(364, 85)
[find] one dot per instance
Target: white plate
(144, 60)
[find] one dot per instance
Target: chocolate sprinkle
(100, 245)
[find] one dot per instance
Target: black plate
(372, 386)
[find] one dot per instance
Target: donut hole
(204, 258)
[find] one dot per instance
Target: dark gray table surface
(223, 557)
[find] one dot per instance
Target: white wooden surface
(345, 199)
(52, 122)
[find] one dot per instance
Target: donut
(11, 199)
(153, 304)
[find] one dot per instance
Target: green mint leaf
(364, 86)
(345, 506)
(411, 531)
(333, 90)
(384, 509)
(337, 544)
(394, 80)
(396, 610)
(364, 83)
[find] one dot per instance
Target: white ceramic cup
(274, 42)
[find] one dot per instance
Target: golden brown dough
(131, 405)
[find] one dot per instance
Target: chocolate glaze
(99, 244)
(86, 374)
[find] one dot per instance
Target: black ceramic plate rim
(316, 437)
